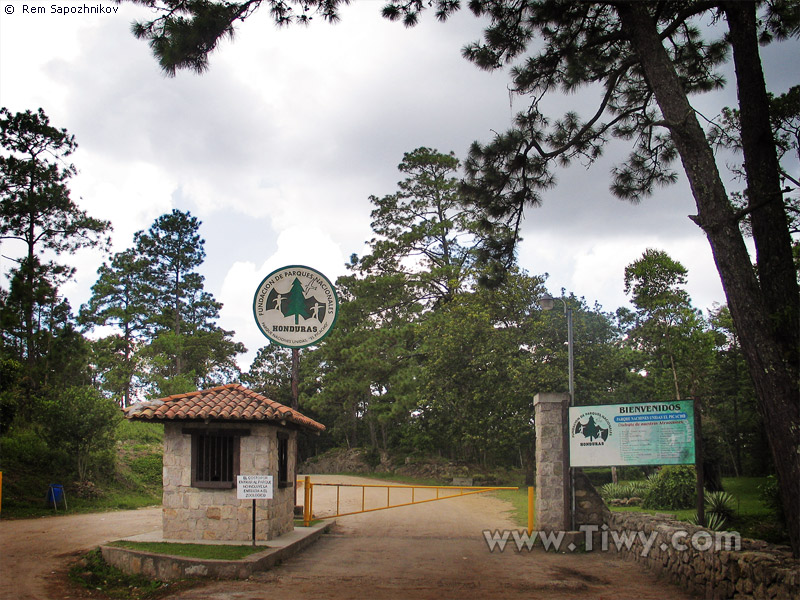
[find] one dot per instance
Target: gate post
(552, 462)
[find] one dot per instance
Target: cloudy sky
(277, 148)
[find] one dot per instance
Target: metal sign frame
(648, 433)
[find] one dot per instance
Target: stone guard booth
(210, 437)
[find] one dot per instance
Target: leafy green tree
(172, 249)
(419, 260)
(270, 373)
(478, 378)
(423, 230)
(667, 329)
(359, 379)
(36, 209)
(61, 352)
(80, 421)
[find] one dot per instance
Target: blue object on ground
(55, 494)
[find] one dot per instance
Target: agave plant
(714, 521)
(636, 489)
(611, 491)
(720, 503)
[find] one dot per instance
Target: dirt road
(431, 551)
(436, 551)
(32, 549)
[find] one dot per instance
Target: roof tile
(232, 402)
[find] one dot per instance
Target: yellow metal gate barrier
(426, 490)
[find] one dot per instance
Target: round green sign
(295, 306)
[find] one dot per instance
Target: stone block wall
(708, 564)
(590, 509)
(197, 514)
(710, 567)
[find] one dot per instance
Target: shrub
(82, 422)
(674, 487)
(148, 468)
(769, 494)
(610, 491)
(372, 457)
(714, 521)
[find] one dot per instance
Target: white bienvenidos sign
(295, 306)
(652, 433)
(254, 487)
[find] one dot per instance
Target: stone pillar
(552, 511)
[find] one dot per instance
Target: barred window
(215, 458)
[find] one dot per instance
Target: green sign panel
(652, 433)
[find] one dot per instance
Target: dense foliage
(412, 371)
(60, 390)
(672, 488)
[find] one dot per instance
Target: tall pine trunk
(776, 389)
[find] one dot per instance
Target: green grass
(207, 551)
(745, 490)
(752, 518)
(112, 500)
(519, 502)
(140, 431)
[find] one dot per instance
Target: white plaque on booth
(254, 487)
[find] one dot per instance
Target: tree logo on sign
(593, 429)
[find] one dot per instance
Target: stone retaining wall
(756, 570)
(167, 567)
(711, 566)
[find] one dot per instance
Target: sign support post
(254, 487)
(254, 521)
(698, 465)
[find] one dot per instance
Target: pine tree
(120, 298)
(37, 210)
(297, 303)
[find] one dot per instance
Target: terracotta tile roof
(232, 402)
